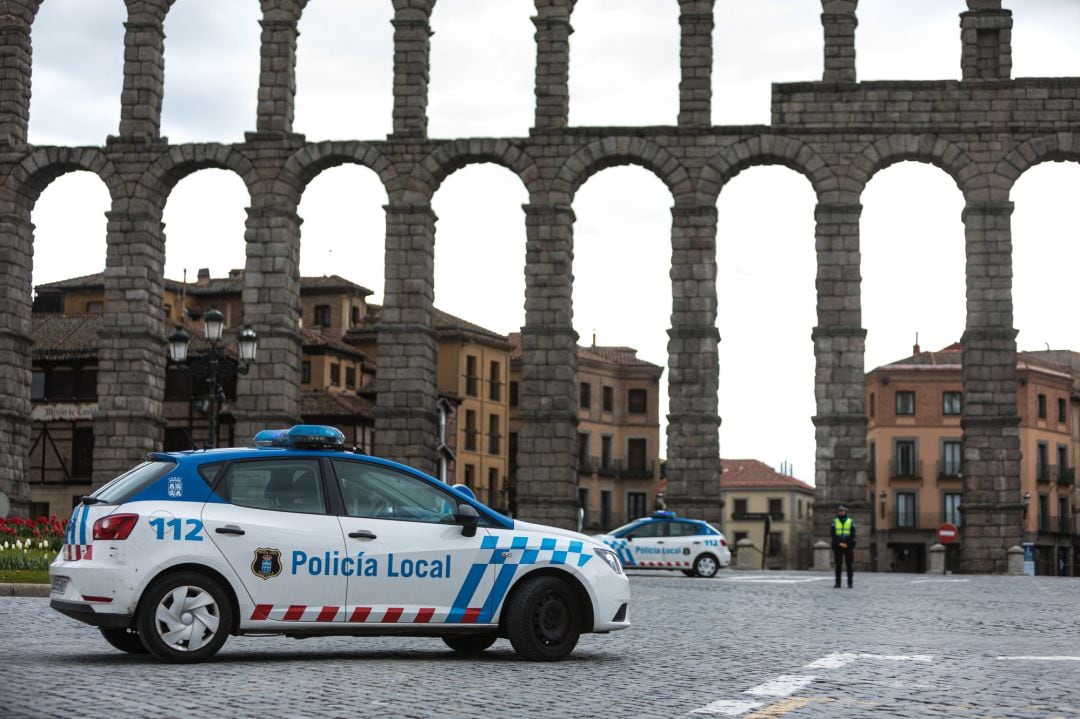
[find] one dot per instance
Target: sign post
(947, 533)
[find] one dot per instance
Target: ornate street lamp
(211, 364)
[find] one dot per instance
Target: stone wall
(984, 131)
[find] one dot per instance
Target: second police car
(665, 541)
(297, 537)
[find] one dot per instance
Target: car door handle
(229, 529)
(362, 534)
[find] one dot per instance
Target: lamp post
(211, 363)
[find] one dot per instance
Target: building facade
(618, 433)
(771, 509)
(917, 467)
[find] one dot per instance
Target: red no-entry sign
(947, 533)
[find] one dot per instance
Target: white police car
(297, 537)
(664, 541)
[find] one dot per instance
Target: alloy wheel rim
(706, 566)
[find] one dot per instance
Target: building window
(905, 402)
(1062, 463)
(605, 453)
(776, 508)
(470, 375)
(493, 487)
(637, 457)
(871, 463)
(1042, 406)
(585, 395)
(608, 394)
(511, 450)
(583, 452)
(494, 383)
(951, 458)
(1061, 410)
(950, 403)
(514, 394)
(635, 505)
(37, 385)
(470, 430)
(335, 374)
(494, 445)
(637, 401)
(905, 510)
(1063, 515)
(951, 505)
(583, 502)
(355, 315)
(798, 503)
(872, 403)
(605, 508)
(904, 462)
(470, 476)
(1042, 462)
(82, 452)
(305, 372)
(322, 316)
(350, 377)
(1044, 513)
(738, 508)
(776, 543)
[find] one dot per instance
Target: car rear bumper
(88, 615)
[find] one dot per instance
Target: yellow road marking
(784, 706)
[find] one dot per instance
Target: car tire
(469, 643)
(184, 618)
(706, 565)
(543, 619)
(688, 572)
(126, 640)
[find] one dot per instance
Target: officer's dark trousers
(839, 557)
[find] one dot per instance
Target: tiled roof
(64, 336)
(623, 356)
(215, 286)
(951, 358)
(753, 474)
(444, 323)
(311, 339)
(323, 403)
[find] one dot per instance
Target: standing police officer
(843, 543)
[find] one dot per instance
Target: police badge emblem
(267, 563)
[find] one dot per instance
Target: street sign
(947, 533)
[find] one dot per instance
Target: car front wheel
(126, 640)
(706, 566)
(469, 643)
(184, 618)
(543, 620)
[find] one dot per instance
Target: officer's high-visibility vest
(842, 526)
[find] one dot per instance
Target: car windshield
(130, 483)
(627, 527)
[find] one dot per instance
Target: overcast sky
(623, 71)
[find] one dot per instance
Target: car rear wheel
(706, 566)
(543, 620)
(469, 643)
(126, 640)
(688, 572)
(184, 618)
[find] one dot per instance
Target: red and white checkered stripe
(673, 565)
(75, 552)
(354, 615)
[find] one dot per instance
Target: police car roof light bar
(663, 514)
(302, 436)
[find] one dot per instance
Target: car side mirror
(629, 537)
(468, 518)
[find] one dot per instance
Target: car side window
(370, 490)
(648, 530)
(285, 485)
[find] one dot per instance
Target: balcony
(751, 516)
(903, 468)
(924, 521)
(1067, 476)
(949, 470)
(605, 466)
(1045, 473)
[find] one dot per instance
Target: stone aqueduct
(984, 130)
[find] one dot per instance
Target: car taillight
(723, 542)
(115, 526)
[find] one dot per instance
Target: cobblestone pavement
(744, 644)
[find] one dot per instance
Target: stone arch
(30, 178)
(307, 163)
(1059, 147)
(928, 148)
(614, 151)
(767, 150)
(428, 174)
(180, 161)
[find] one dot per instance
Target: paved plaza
(750, 645)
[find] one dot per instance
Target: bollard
(937, 559)
(1016, 560)
(822, 556)
(746, 558)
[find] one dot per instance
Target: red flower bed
(49, 529)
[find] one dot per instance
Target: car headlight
(610, 557)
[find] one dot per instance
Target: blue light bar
(302, 436)
(663, 514)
